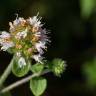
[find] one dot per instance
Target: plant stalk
(6, 73)
(22, 81)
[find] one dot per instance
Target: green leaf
(37, 68)
(38, 85)
(89, 70)
(87, 7)
(20, 66)
(10, 50)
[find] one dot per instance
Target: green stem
(6, 73)
(22, 81)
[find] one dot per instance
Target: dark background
(73, 39)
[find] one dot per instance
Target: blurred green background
(73, 34)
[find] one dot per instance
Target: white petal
(16, 22)
(5, 34)
(35, 21)
(11, 25)
(23, 34)
(37, 58)
(18, 54)
(5, 45)
(40, 46)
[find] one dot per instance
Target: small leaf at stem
(38, 85)
(37, 68)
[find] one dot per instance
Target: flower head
(58, 66)
(26, 37)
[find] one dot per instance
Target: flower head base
(26, 37)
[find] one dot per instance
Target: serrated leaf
(38, 85)
(37, 68)
(20, 68)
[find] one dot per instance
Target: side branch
(22, 81)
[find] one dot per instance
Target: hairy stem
(22, 81)
(6, 73)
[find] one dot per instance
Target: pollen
(7, 39)
(18, 46)
(34, 39)
(35, 29)
(23, 23)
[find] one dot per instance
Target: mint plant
(27, 40)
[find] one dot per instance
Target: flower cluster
(26, 37)
(58, 66)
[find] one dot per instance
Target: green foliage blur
(87, 7)
(89, 70)
(72, 26)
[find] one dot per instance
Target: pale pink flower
(37, 58)
(40, 46)
(4, 42)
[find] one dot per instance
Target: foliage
(89, 71)
(20, 69)
(38, 85)
(87, 7)
(37, 68)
